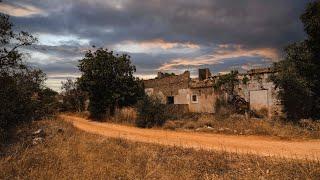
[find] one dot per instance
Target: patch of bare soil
(262, 146)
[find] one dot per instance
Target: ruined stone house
(198, 94)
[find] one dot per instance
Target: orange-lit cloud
(167, 45)
(154, 45)
(220, 55)
(20, 11)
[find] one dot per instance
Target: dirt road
(263, 146)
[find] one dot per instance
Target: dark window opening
(170, 100)
(194, 98)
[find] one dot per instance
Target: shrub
(73, 97)
(190, 125)
(261, 113)
(205, 121)
(220, 103)
(23, 97)
(310, 124)
(170, 125)
(151, 112)
(46, 104)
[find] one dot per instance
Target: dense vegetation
(23, 96)
(298, 74)
(72, 96)
(226, 84)
(151, 112)
(108, 79)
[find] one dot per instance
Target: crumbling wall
(168, 86)
(205, 102)
(260, 92)
(183, 96)
(199, 94)
(204, 74)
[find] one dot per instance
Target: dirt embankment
(262, 146)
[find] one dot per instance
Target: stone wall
(204, 74)
(199, 94)
(260, 92)
(205, 100)
(169, 86)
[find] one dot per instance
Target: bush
(310, 124)
(170, 125)
(151, 112)
(22, 94)
(261, 113)
(190, 125)
(46, 104)
(219, 104)
(73, 97)
(22, 98)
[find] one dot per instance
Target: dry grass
(224, 123)
(74, 154)
(127, 116)
(239, 125)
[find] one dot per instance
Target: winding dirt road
(262, 146)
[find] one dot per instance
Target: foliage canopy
(227, 82)
(23, 96)
(109, 81)
(298, 74)
(151, 112)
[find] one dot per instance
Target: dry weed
(238, 124)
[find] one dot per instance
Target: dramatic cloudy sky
(166, 35)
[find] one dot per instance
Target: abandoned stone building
(198, 94)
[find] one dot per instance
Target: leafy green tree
(245, 80)
(227, 83)
(19, 84)
(298, 74)
(73, 97)
(47, 103)
(109, 81)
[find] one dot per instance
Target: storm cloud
(169, 35)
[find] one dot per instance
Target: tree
(19, 84)
(298, 74)
(109, 81)
(10, 58)
(47, 103)
(73, 97)
(227, 83)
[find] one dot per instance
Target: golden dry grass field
(70, 153)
